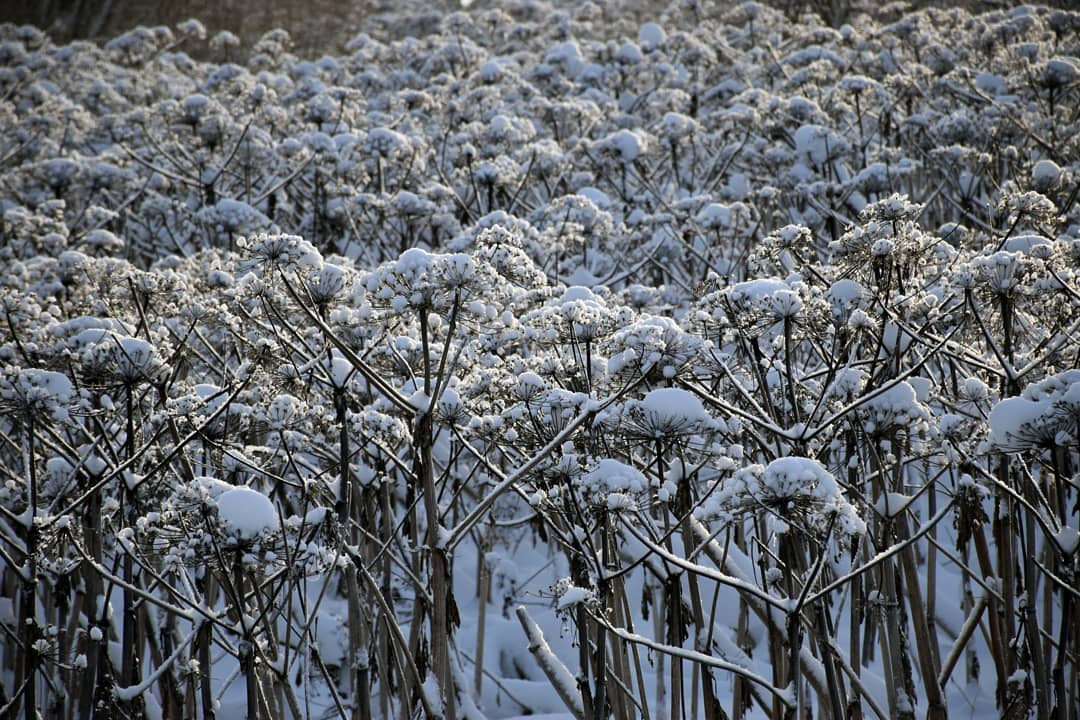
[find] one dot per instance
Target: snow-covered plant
(740, 345)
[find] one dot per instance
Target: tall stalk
(131, 649)
(441, 630)
(28, 598)
(359, 636)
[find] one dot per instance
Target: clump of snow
(629, 54)
(420, 400)
(490, 71)
(848, 383)
(315, 516)
(614, 484)
(529, 386)
(1026, 243)
(1017, 423)
(328, 282)
(574, 595)
(598, 197)
(568, 56)
(676, 126)
(812, 143)
(341, 370)
(670, 411)
(246, 512)
(845, 295)
(892, 504)
(576, 293)
(450, 406)
(791, 476)
(714, 216)
(1067, 539)
(797, 489)
(1059, 72)
(768, 295)
(974, 388)
(384, 142)
(897, 406)
(627, 145)
(1045, 175)
(414, 262)
(651, 36)
(109, 352)
(282, 249)
(990, 83)
(42, 391)
(613, 474)
(283, 410)
(752, 291)
(674, 405)
(234, 215)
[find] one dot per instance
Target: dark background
(316, 26)
(321, 27)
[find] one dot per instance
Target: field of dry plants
(558, 362)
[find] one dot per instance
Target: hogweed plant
(567, 359)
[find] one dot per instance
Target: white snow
(420, 400)
(769, 295)
(46, 385)
(331, 637)
(568, 55)
(789, 476)
(1025, 243)
(990, 83)
(1067, 539)
(846, 293)
(892, 504)
(676, 126)
(574, 596)
(715, 216)
(650, 36)
(246, 512)
(383, 141)
(613, 475)
(1012, 420)
(812, 143)
(923, 388)
(897, 406)
(1045, 175)
(848, 382)
(894, 339)
(674, 406)
(413, 261)
(629, 53)
(490, 71)
(449, 402)
(627, 144)
(315, 516)
(753, 290)
(341, 370)
(598, 198)
(531, 380)
(576, 293)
